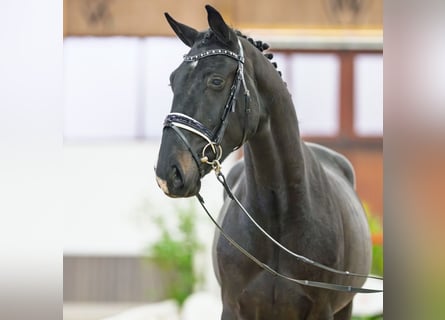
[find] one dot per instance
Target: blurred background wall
(118, 55)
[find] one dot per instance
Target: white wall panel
(368, 95)
(315, 92)
(111, 198)
(101, 87)
(161, 56)
(282, 63)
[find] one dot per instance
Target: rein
(331, 286)
(178, 121)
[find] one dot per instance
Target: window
(315, 92)
(368, 95)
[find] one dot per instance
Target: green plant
(376, 229)
(174, 252)
(375, 226)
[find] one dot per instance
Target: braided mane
(260, 45)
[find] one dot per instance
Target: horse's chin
(190, 193)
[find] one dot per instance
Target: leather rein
(178, 121)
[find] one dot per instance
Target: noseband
(179, 121)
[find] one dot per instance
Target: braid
(260, 45)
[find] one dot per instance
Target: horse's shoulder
(331, 158)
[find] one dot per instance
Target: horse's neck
(274, 155)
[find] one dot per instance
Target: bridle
(213, 138)
(178, 121)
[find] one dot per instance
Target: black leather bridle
(214, 137)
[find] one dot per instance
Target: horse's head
(210, 114)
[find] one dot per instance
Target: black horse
(227, 94)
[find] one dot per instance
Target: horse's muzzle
(178, 179)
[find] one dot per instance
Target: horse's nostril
(177, 178)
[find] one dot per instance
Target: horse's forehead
(205, 41)
(205, 38)
(220, 64)
(193, 64)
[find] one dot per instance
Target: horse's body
(312, 218)
(301, 194)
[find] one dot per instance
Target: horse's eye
(216, 82)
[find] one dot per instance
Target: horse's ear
(187, 34)
(219, 27)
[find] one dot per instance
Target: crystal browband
(214, 52)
